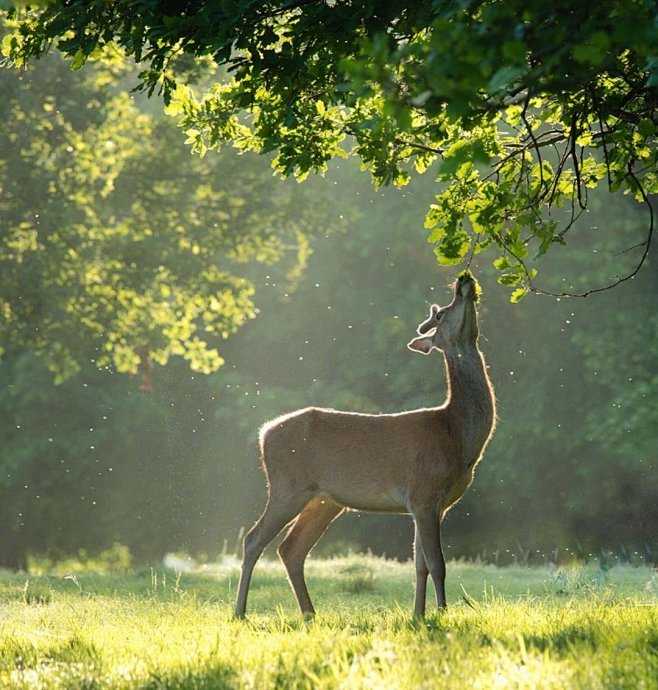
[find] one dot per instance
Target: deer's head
(451, 326)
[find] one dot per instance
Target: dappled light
(216, 214)
(159, 627)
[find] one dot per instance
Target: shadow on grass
(75, 662)
(23, 655)
(213, 676)
(156, 583)
(564, 639)
(161, 584)
(53, 673)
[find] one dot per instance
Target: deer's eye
(438, 316)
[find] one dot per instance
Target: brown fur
(319, 461)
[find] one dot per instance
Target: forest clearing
(225, 229)
(577, 626)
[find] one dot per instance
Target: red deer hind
(320, 462)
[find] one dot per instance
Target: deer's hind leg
(279, 511)
(303, 535)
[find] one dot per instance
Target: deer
(320, 462)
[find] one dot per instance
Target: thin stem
(620, 279)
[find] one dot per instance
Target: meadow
(576, 626)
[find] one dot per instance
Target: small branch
(574, 217)
(522, 148)
(491, 105)
(573, 135)
(475, 241)
(556, 177)
(605, 151)
(419, 146)
(620, 279)
(542, 183)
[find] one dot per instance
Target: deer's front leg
(428, 528)
(421, 577)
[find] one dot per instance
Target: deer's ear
(423, 345)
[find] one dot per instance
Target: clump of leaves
(467, 276)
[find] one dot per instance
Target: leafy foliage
(528, 105)
(118, 245)
(552, 475)
(134, 240)
(571, 466)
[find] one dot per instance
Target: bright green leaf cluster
(528, 104)
(119, 246)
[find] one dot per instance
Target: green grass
(511, 627)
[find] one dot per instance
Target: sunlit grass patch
(505, 628)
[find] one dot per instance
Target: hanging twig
(542, 183)
(620, 279)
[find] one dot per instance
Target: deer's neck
(471, 405)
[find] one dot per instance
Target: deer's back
(367, 462)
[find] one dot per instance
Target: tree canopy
(119, 249)
(572, 465)
(527, 105)
(118, 246)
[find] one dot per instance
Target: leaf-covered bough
(528, 106)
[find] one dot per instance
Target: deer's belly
(383, 501)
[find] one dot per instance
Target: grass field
(575, 627)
